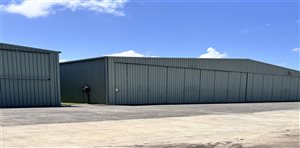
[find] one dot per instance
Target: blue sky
(265, 30)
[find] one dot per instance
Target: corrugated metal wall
(28, 77)
(233, 65)
(137, 82)
(121, 88)
(175, 85)
(294, 87)
(149, 83)
(157, 85)
(76, 75)
(236, 81)
(221, 81)
(207, 86)
(192, 86)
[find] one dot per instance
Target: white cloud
(63, 60)
(213, 53)
(39, 8)
(129, 53)
(296, 50)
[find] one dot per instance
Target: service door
(121, 83)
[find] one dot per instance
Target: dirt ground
(264, 128)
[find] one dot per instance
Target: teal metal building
(132, 81)
(28, 77)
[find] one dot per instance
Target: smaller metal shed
(28, 77)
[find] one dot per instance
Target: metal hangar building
(132, 81)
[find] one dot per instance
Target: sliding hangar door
(28, 77)
(138, 84)
(147, 84)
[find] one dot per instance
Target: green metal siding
(249, 91)
(157, 85)
(298, 89)
(233, 65)
(28, 77)
(285, 89)
(207, 86)
(121, 88)
(171, 80)
(293, 88)
(209, 81)
(277, 84)
(175, 86)
(234, 87)
(257, 88)
(267, 87)
(221, 82)
(192, 86)
(243, 87)
(76, 75)
(137, 82)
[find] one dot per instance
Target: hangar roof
(5, 46)
(224, 64)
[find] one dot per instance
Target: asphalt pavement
(88, 112)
